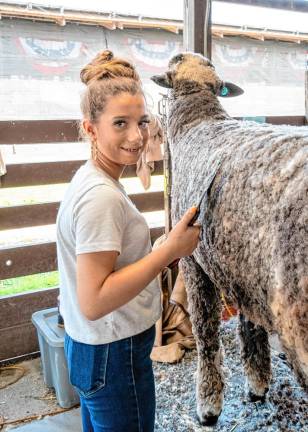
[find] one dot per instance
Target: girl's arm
(101, 290)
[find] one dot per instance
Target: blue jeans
(115, 383)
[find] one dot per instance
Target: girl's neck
(111, 168)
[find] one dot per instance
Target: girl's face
(122, 130)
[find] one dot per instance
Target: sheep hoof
(257, 398)
(208, 420)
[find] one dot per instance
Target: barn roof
(228, 18)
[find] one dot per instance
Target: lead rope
(163, 110)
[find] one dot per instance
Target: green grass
(29, 283)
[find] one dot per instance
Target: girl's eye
(119, 123)
(144, 124)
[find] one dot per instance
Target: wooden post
(170, 275)
(197, 26)
(306, 91)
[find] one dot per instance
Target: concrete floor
(27, 397)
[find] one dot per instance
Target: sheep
(253, 245)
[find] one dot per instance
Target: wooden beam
(221, 31)
(38, 258)
(280, 120)
(197, 26)
(38, 131)
(286, 120)
(23, 216)
(17, 333)
(86, 18)
(208, 29)
(26, 260)
(18, 340)
(148, 202)
(45, 214)
(306, 91)
(156, 232)
(291, 5)
(24, 305)
(43, 173)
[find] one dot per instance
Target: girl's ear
(228, 89)
(163, 80)
(89, 129)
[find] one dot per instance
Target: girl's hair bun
(106, 66)
(104, 56)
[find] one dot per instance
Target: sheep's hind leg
(256, 358)
(205, 308)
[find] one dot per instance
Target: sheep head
(190, 72)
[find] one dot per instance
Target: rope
(4, 368)
(226, 305)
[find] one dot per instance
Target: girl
(109, 297)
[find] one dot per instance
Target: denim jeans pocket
(87, 365)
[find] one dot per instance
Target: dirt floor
(285, 410)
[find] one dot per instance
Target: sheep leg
(205, 308)
(256, 357)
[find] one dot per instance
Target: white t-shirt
(97, 215)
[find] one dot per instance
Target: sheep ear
(163, 80)
(229, 89)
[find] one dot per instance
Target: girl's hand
(183, 239)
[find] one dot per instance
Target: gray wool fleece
(261, 181)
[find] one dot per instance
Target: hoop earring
(94, 150)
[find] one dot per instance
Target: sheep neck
(190, 106)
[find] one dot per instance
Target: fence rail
(38, 258)
(38, 131)
(63, 131)
(17, 334)
(31, 215)
(45, 173)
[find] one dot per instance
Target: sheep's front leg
(256, 357)
(204, 308)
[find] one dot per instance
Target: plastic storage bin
(51, 343)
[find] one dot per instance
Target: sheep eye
(178, 58)
(224, 91)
